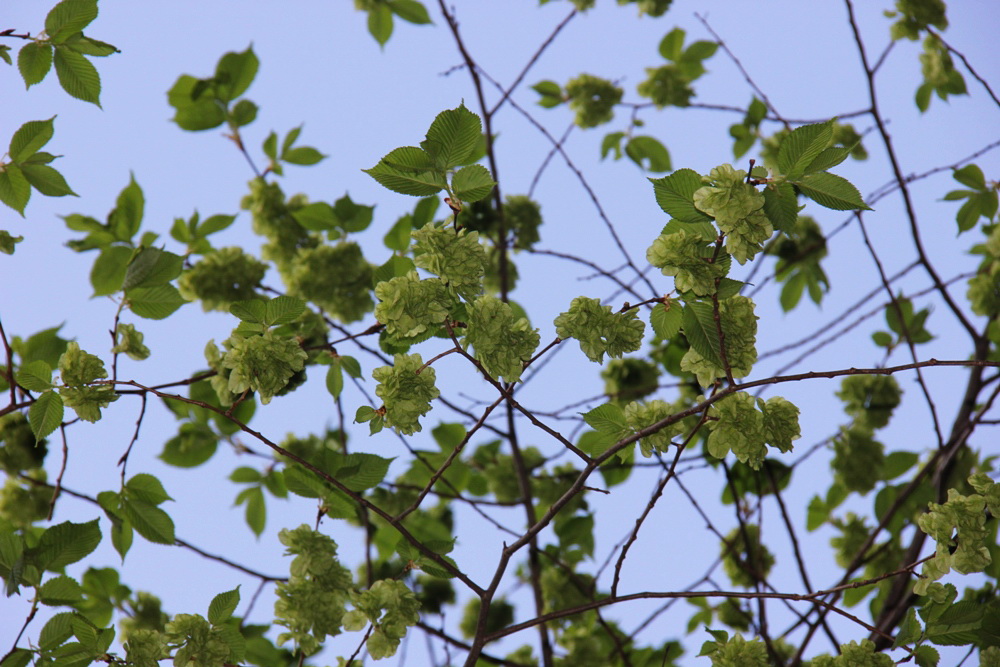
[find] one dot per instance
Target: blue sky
(320, 68)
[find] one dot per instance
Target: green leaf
(671, 45)
(243, 113)
(398, 237)
(334, 380)
(66, 543)
(154, 303)
(802, 146)
(380, 23)
(60, 591)
(223, 605)
(316, 216)
(452, 137)
(612, 142)
(30, 138)
(608, 418)
(781, 206)
(234, 74)
(360, 472)
(253, 311)
(666, 322)
(409, 10)
(7, 242)
(77, 76)
(130, 206)
(698, 322)
(14, 188)
(897, 463)
(970, 176)
(69, 17)
(146, 488)
(417, 184)
(108, 272)
(283, 310)
(35, 375)
(46, 180)
(472, 183)
(89, 46)
(675, 195)
(152, 267)
(149, 521)
(828, 158)
(45, 414)
(302, 155)
(270, 146)
(642, 148)
(831, 191)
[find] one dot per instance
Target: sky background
(319, 67)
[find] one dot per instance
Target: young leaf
(666, 322)
(802, 146)
(69, 17)
(29, 139)
(335, 380)
(154, 303)
(234, 74)
(35, 376)
(607, 418)
(283, 310)
(701, 331)
(46, 180)
(222, 606)
(14, 188)
(147, 488)
(77, 76)
(149, 521)
(409, 10)
(34, 61)
(452, 137)
(472, 183)
(253, 311)
(66, 543)
(45, 414)
(380, 23)
(831, 191)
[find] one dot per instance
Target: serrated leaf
(223, 605)
(828, 158)
(89, 46)
(154, 303)
(14, 188)
(283, 310)
(316, 216)
(472, 183)
(417, 184)
(253, 311)
(666, 322)
(35, 376)
(69, 17)
(675, 195)
(149, 521)
(45, 414)
(46, 180)
(358, 471)
(831, 191)
(30, 138)
(152, 267)
(698, 322)
(452, 137)
(34, 61)
(66, 543)
(781, 206)
(77, 76)
(60, 591)
(147, 488)
(608, 418)
(801, 146)
(129, 209)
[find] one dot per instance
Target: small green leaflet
(223, 605)
(700, 330)
(608, 419)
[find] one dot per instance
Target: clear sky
(319, 67)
